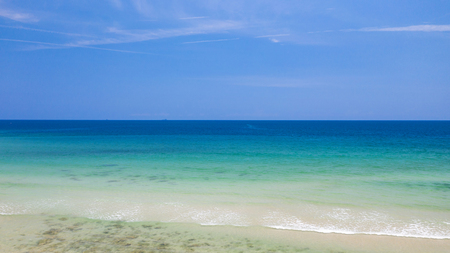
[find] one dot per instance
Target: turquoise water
(368, 177)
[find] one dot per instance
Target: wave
(338, 220)
(345, 221)
(337, 231)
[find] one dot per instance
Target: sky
(225, 59)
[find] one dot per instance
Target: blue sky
(224, 59)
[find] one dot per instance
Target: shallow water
(68, 234)
(44, 233)
(380, 178)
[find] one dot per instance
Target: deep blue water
(380, 129)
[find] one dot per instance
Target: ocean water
(349, 177)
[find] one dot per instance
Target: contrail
(72, 45)
(46, 31)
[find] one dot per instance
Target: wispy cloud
(413, 28)
(115, 35)
(17, 16)
(206, 41)
(273, 35)
(53, 45)
(45, 31)
(130, 36)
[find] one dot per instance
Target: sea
(385, 178)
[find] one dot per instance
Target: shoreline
(44, 233)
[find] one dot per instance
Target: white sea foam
(30, 207)
(340, 231)
(11, 209)
(310, 218)
(378, 225)
(112, 210)
(206, 216)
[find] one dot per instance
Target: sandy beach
(41, 233)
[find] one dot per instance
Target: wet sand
(70, 234)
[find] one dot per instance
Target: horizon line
(224, 119)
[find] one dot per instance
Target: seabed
(43, 233)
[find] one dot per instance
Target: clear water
(367, 177)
